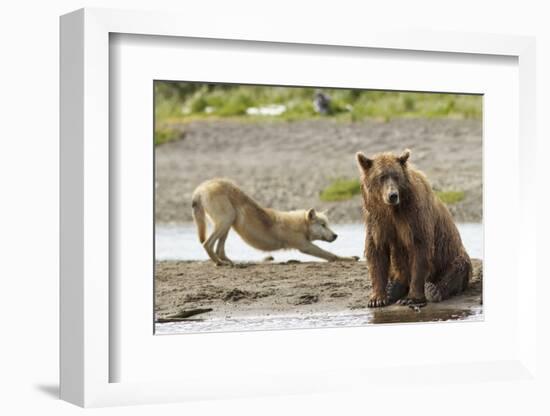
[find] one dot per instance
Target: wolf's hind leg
(220, 247)
(220, 229)
(452, 283)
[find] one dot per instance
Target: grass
(179, 102)
(450, 197)
(343, 189)
(340, 190)
(165, 135)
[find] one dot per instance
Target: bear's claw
(412, 301)
(377, 302)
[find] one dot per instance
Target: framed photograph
(280, 214)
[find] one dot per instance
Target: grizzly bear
(413, 248)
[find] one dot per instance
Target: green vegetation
(450, 197)
(343, 189)
(165, 134)
(340, 190)
(180, 102)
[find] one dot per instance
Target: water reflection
(389, 315)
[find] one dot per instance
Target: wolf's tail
(200, 217)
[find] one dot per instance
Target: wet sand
(285, 165)
(292, 288)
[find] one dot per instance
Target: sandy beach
(268, 289)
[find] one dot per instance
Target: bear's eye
(382, 178)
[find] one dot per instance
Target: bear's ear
(311, 214)
(404, 156)
(364, 162)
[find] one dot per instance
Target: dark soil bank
(270, 289)
(285, 165)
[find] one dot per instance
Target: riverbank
(286, 165)
(292, 289)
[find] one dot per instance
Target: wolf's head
(318, 228)
(384, 176)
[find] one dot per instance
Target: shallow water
(318, 320)
(181, 243)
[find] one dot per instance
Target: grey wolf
(227, 206)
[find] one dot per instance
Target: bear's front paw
(408, 301)
(377, 301)
(433, 293)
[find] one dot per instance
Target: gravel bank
(285, 165)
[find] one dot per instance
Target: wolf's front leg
(347, 258)
(313, 250)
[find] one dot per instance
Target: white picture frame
(87, 356)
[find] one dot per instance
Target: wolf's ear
(364, 162)
(311, 214)
(404, 156)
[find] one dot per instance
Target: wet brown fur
(413, 249)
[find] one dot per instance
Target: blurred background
(178, 102)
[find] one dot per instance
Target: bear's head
(385, 176)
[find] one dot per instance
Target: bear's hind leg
(452, 283)
(396, 290)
